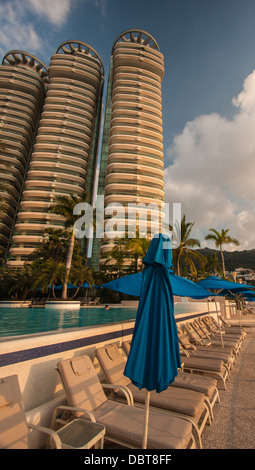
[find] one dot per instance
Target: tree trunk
(223, 261)
(178, 263)
(76, 292)
(68, 265)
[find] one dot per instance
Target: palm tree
(22, 281)
(64, 206)
(80, 274)
(212, 264)
(220, 239)
(138, 247)
(117, 256)
(184, 249)
(49, 273)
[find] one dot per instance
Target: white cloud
(212, 169)
(15, 33)
(20, 22)
(55, 11)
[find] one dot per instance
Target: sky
(208, 91)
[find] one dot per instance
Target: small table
(81, 434)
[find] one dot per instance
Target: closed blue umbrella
(154, 355)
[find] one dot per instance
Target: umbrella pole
(221, 336)
(146, 420)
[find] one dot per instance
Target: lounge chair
(216, 339)
(228, 358)
(230, 331)
(179, 402)
(204, 365)
(233, 329)
(229, 341)
(124, 423)
(95, 301)
(14, 428)
(202, 384)
(190, 335)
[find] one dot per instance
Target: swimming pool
(25, 321)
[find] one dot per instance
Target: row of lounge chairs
(177, 416)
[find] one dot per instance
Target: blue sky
(208, 89)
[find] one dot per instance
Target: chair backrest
(81, 383)
(13, 425)
(126, 345)
(113, 364)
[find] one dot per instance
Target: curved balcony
(135, 199)
(148, 160)
(135, 169)
(82, 101)
(137, 99)
(74, 86)
(119, 178)
(136, 148)
(54, 102)
(54, 185)
(57, 158)
(43, 216)
(129, 81)
(143, 111)
(74, 71)
(37, 175)
(55, 122)
(123, 74)
(60, 146)
(82, 114)
(27, 205)
(59, 167)
(137, 89)
(67, 117)
(35, 227)
(125, 55)
(129, 132)
(135, 122)
(121, 189)
(20, 251)
(70, 135)
(27, 239)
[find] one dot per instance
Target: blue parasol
(218, 285)
(132, 283)
(154, 356)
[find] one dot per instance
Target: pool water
(25, 321)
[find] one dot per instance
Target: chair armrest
(125, 390)
(49, 432)
(74, 409)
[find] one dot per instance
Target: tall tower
(64, 156)
(23, 82)
(132, 149)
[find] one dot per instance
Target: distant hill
(233, 259)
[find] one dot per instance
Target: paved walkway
(234, 424)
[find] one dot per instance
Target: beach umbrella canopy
(218, 285)
(154, 355)
(132, 283)
(71, 286)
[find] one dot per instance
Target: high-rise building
(64, 154)
(131, 167)
(23, 82)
